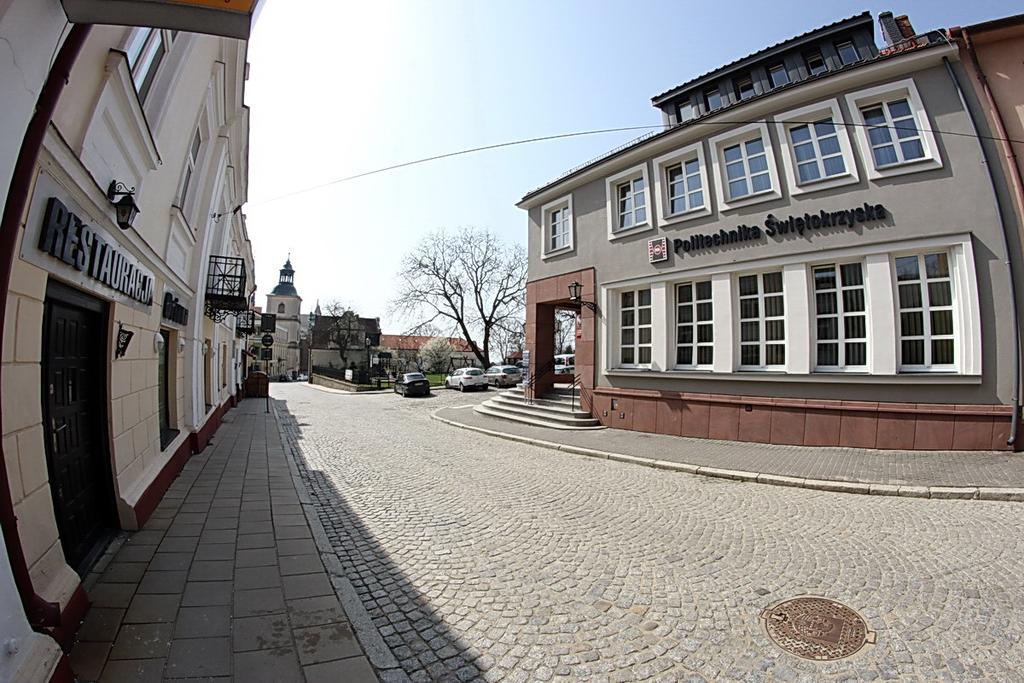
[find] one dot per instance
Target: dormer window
(686, 112)
(815, 63)
(847, 53)
(713, 99)
(778, 75)
(745, 88)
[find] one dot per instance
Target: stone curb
(990, 493)
(374, 647)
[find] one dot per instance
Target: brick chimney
(906, 28)
(891, 33)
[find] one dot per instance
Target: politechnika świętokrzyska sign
(66, 237)
(776, 227)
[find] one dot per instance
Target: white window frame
(661, 184)
(839, 52)
(813, 112)
(742, 135)
(763, 320)
(840, 313)
(612, 184)
(902, 89)
(546, 211)
(882, 305)
(785, 70)
(636, 327)
(695, 344)
(142, 45)
(926, 308)
(188, 174)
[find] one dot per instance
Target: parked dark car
(412, 384)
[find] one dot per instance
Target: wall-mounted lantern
(576, 296)
(125, 207)
(158, 342)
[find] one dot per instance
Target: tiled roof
(863, 17)
(415, 342)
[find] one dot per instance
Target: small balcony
(225, 288)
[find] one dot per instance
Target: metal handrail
(530, 385)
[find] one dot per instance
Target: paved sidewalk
(225, 582)
(910, 473)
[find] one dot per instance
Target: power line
(560, 136)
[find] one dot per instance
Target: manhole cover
(816, 628)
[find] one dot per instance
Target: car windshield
(510, 368)
(414, 376)
(473, 372)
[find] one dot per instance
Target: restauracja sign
(90, 250)
(776, 227)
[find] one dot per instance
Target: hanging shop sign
(229, 18)
(781, 227)
(173, 310)
(91, 252)
(124, 338)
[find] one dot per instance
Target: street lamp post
(309, 345)
(368, 344)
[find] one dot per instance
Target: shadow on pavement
(426, 647)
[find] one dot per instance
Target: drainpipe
(1001, 133)
(40, 612)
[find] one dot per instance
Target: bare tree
(339, 325)
(565, 331)
(509, 337)
(468, 281)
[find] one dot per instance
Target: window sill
(907, 167)
(824, 184)
(815, 377)
(749, 200)
(561, 251)
(690, 215)
(627, 232)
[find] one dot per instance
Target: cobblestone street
(479, 558)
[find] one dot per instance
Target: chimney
(890, 30)
(906, 29)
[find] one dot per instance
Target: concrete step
(566, 407)
(514, 403)
(505, 414)
(562, 399)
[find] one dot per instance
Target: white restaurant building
(120, 347)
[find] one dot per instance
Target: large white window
(892, 129)
(762, 321)
(817, 153)
(744, 167)
(629, 208)
(695, 337)
(816, 149)
(635, 328)
(927, 325)
(556, 226)
(841, 317)
(631, 203)
(893, 133)
(680, 183)
(146, 50)
(191, 162)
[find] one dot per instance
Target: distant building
(284, 302)
(350, 330)
(405, 350)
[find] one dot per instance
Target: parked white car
(504, 375)
(466, 378)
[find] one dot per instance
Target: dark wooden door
(73, 396)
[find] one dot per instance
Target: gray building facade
(811, 253)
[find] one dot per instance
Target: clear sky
(339, 88)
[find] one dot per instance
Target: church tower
(284, 301)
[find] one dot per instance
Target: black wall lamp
(125, 207)
(576, 296)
